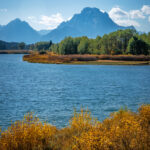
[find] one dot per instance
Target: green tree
(42, 46)
(104, 45)
(2, 45)
(31, 47)
(137, 46)
(55, 48)
(66, 46)
(83, 47)
(21, 45)
(76, 42)
(94, 45)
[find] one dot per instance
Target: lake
(52, 91)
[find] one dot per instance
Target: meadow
(52, 58)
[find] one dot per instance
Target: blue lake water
(53, 91)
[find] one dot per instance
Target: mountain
(1, 27)
(44, 32)
(90, 22)
(18, 31)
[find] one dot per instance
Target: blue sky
(48, 14)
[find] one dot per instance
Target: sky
(48, 14)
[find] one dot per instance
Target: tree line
(119, 42)
(13, 45)
(127, 41)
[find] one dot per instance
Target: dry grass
(88, 59)
(123, 130)
(15, 51)
(125, 57)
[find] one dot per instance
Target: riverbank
(88, 59)
(15, 51)
(122, 130)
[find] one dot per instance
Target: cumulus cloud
(146, 9)
(117, 13)
(31, 18)
(52, 20)
(127, 22)
(48, 22)
(3, 10)
(135, 14)
(125, 18)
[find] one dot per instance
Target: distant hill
(19, 31)
(44, 32)
(90, 22)
(8, 45)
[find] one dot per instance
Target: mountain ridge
(91, 22)
(19, 31)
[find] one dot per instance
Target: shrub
(27, 135)
(123, 130)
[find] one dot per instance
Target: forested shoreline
(120, 42)
(116, 43)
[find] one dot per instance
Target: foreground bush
(123, 130)
(27, 134)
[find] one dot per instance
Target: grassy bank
(88, 59)
(123, 130)
(15, 52)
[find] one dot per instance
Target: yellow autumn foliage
(123, 130)
(27, 134)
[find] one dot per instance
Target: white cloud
(3, 10)
(135, 14)
(146, 9)
(69, 18)
(52, 20)
(46, 22)
(127, 22)
(125, 18)
(117, 13)
(31, 18)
